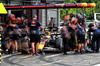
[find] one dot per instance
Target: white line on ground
(5, 56)
(52, 62)
(53, 55)
(97, 65)
(57, 54)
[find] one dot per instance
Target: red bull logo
(33, 23)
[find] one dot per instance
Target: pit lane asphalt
(52, 59)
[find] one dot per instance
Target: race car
(50, 42)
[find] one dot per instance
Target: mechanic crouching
(95, 38)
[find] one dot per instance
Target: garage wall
(50, 13)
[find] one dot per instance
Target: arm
(72, 26)
(65, 32)
(13, 25)
(41, 27)
(64, 28)
(1, 28)
(39, 24)
(27, 29)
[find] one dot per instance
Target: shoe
(65, 54)
(37, 54)
(16, 51)
(82, 52)
(33, 54)
(6, 52)
(77, 53)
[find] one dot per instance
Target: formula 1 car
(50, 42)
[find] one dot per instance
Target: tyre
(59, 43)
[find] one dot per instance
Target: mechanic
(74, 28)
(83, 18)
(86, 41)
(50, 25)
(73, 25)
(65, 34)
(26, 29)
(34, 34)
(80, 18)
(12, 29)
(71, 16)
(81, 38)
(96, 37)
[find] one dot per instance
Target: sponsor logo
(33, 23)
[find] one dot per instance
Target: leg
(65, 41)
(33, 47)
(93, 43)
(97, 46)
(13, 47)
(79, 41)
(8, 45)
(37, 44)
(79, 47)
(86, 43)
(82, 46)
(33, 40)
(98, 43)
(16, 44)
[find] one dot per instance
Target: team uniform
(96, 38)
(66, 40)
(80, 35)
(74, 24)
(13, 32)
(25, 23)
(34, 30)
